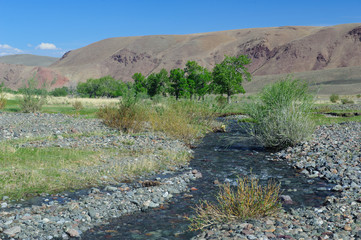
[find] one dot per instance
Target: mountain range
(328, 57)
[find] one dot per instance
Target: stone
(347, 227)
(73, 232)
(286, 199)
(12, 231)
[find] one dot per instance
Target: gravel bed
(29, 125)
(342, 107)
(334, 153)
(61, 216)
(70, 219)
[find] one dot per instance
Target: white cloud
(29, 45)
(6, 49)
(5, 46)
(46, 46)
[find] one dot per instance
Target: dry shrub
(128, 116)
(183, 120)
(3, 101)
(2, 97)
(77, 105)
(248, 201)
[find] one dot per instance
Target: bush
(3, 100)
(347, 101)
(102, 87)
(334, 98)
(182, 119)
(358, 95)
(282, 113)
(127, 117)
(249, 200)
(60, 92)
(77, 105)
(33, 99)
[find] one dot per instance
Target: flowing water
(221, 156)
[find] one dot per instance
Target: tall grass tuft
(248, 201)
(282, 113)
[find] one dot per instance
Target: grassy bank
(27, 171)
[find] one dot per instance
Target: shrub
(3, 100)
(77, 105)
(334, 98)
(346, 101)
(127, 116)
(249, 200)
(282, 113)
(60, 92)
(102, 87)
(32, 99)
(183, 119)
(358, 95)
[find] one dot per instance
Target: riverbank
(333, 153)
(119, 159)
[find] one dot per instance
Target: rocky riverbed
(66, 215)
(333, 153)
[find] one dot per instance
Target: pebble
(70, 217)
(333, 153)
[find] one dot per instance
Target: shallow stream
(223, 157)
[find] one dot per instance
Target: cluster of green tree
(195, 80)
(103, 87)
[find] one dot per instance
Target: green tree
(60, 92)
(152, 85)
(163, 79)
(198, 79)
(101, 87)
(140, 83)
(178, 83)
(228, 75)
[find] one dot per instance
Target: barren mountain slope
(122, 57)
(28, 60)
(16, 76)
(274, 51)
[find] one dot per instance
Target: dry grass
(184, 120)
(249, 200)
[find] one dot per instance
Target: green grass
(27, 172)
(89, 112)
(321, 119)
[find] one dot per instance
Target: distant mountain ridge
(316, 54)
(28, 60)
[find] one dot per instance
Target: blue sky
(52, 27)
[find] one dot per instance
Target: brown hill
(16, 76)
(274, 51)
(28, 60)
